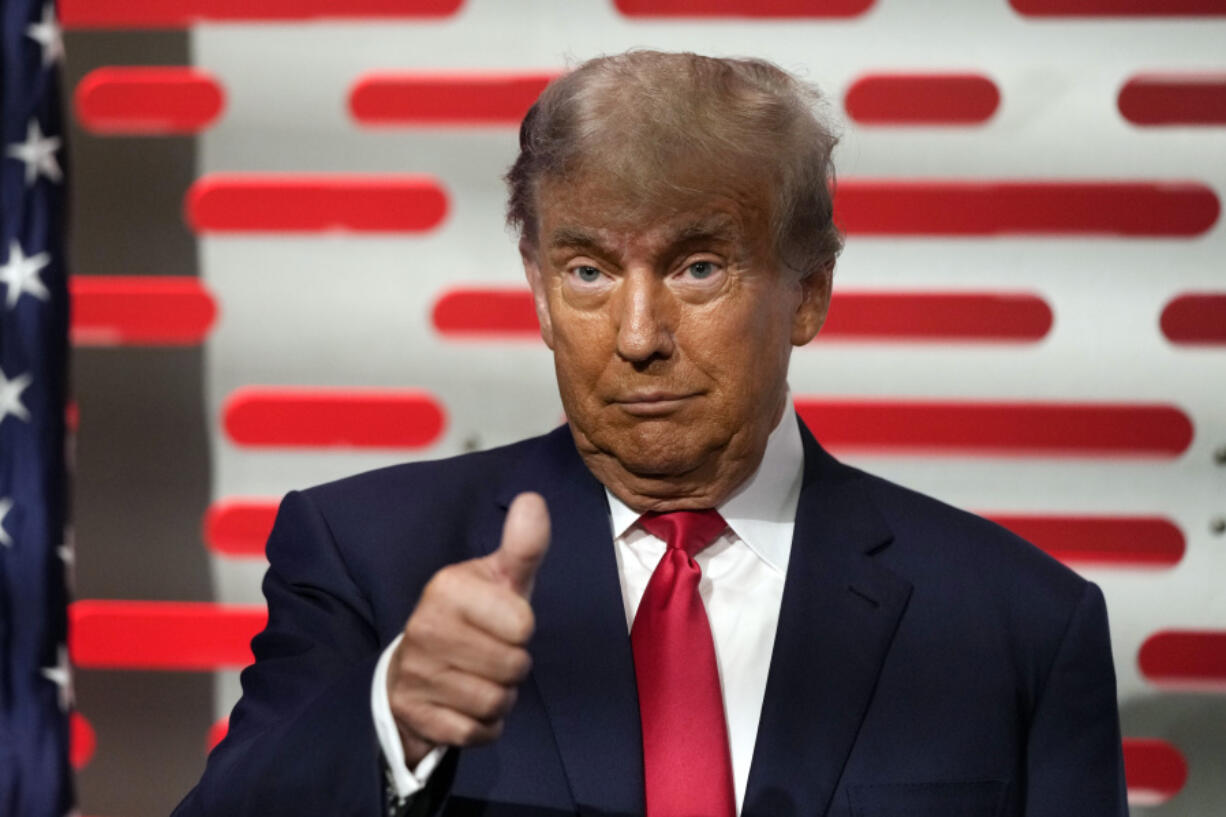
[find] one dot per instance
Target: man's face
(671, 327)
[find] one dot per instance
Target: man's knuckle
(494, 703)
(444, 585)
(516, 665)
(423, 628)
(468, 732)
(508, 701)
(521, 624)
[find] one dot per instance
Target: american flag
(35, 682)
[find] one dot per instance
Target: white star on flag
(6, 505)
(68, 555)
(20, 274)
(68, 550)
(38, 153)
(47, 34)
(10, 396)
(61, 676)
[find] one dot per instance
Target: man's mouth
(652, 403)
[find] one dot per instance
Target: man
(678, 604)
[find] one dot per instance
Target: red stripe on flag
(998, 429)
(148, 100)
(1195, 318)
(964, 208)
(354, 418)
(743, 8)
(1118, 8)
(1174, 99)
(239, 527)
(1155, 770)
(1124, 541)
(182, 13)
(445, 99)
(315, 203)
(922, 99)
(162, 635)
(1186, 659)
(114, 310)
(82, 741)
(907, 316)
(216, 734)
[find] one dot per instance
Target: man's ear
(532, 270)
(814, 304)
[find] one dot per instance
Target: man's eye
(587, 275)
(701, 269)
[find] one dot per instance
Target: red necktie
(686, 763)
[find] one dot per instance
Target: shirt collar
(766, 500)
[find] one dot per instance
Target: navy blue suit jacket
(927, 663)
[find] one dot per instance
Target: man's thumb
(525, 540)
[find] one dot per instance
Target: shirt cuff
(403, 781)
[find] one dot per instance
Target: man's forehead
(590, 209)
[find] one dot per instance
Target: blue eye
(701, 269)
(587, 274)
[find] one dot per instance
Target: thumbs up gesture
(454, 676)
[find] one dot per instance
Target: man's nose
(644, 315)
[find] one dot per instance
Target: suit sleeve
(301, 739)
(1074, 757)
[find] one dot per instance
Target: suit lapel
(839, 613)
(582, 663)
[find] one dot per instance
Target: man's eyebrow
(574, 237)
(722, 228)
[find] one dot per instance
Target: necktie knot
(689, 531)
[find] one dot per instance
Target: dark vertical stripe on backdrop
(142, 472)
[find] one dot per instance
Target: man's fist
(454, 676)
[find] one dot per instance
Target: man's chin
(660, 465)
(653, 450)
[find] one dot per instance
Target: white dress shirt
(743, 574)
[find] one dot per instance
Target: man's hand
(454, 676)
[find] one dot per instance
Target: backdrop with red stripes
(1029, 319)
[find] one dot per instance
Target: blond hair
(639, 116)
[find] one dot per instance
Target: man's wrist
(416, 749)
(406, 775)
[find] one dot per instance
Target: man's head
(675, 221)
